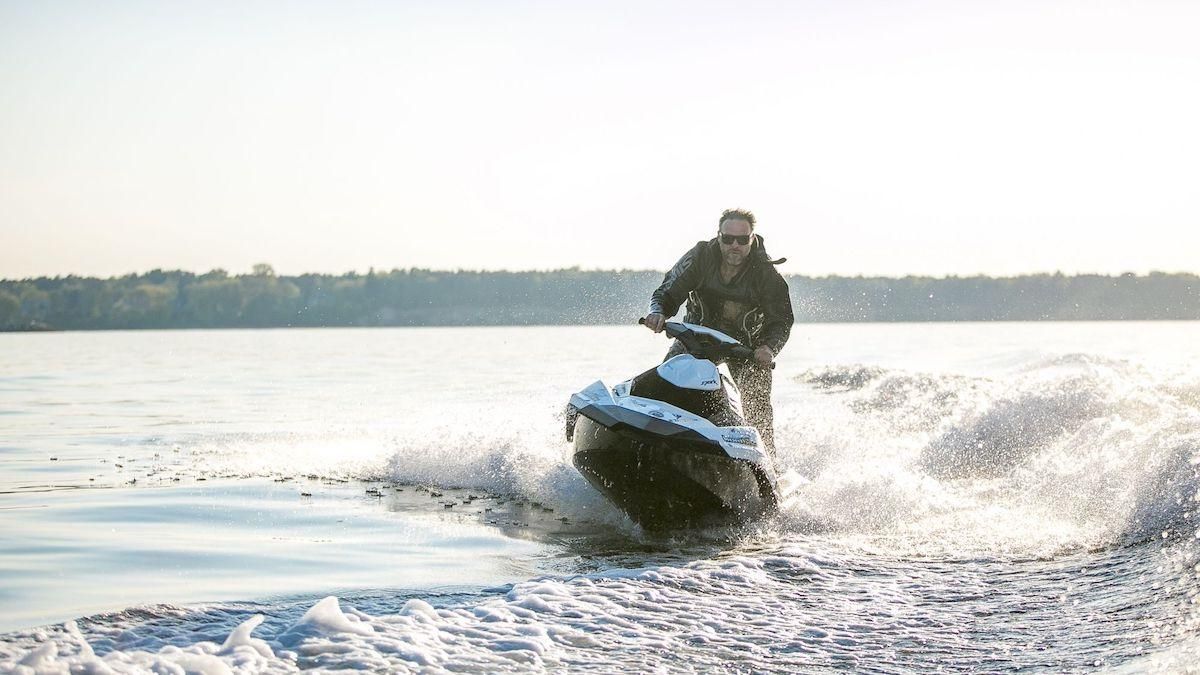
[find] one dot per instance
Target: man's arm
(680, 280)
(777, 312)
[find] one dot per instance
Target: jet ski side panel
(664, 482)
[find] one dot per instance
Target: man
(731, 284)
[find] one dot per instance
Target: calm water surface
(984, 498)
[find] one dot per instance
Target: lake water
(984, 497)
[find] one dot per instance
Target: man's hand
(656, 322)
(763, 355)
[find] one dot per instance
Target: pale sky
(870, 137)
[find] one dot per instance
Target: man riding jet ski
(671, 447)
(730, 284)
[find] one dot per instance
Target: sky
(870, 137)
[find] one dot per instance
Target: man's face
(734, 253)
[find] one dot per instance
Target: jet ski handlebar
(707, 343)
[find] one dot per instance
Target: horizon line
(577, 268)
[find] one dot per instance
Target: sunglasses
(741, 239)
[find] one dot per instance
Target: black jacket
(754, 307)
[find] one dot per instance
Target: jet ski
(671, 447)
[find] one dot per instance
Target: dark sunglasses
(741, 239)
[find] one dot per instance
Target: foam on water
(787, 609)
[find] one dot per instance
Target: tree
(145, 306)
(10, 310)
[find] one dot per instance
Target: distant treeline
(419, 297)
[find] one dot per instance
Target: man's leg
(755, 385)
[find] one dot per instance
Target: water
(984, 497)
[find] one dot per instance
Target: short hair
(736, 214)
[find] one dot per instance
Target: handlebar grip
(641, 321)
